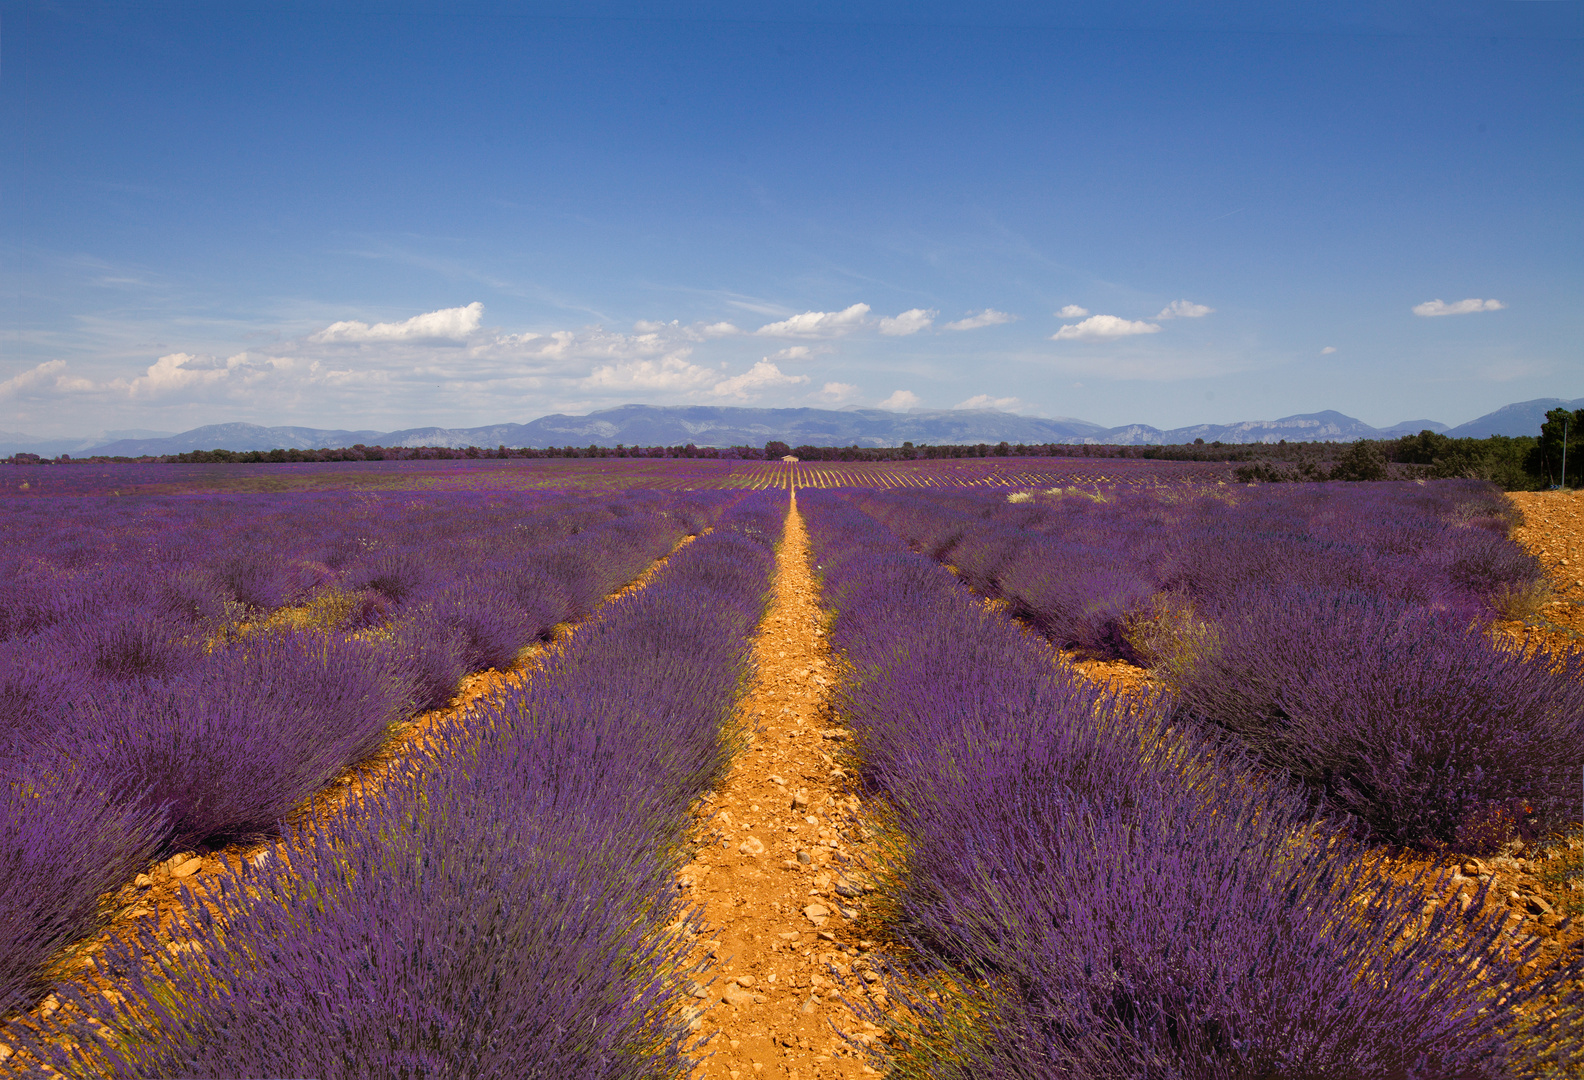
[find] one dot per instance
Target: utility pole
(1564, 455)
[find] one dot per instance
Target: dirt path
(1553, 530)
(777, 876)
(163, 897)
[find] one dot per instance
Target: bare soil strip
(1553, 531)
(786, 905)
(164, 896)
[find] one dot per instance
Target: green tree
(1363, 461)
(1547, 457)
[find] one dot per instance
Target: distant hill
(646, 425)
(13, 441)
(238, 437)
(1523, 418)
(712, 425)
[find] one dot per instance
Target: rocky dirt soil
(779, 875)
(1553, 529)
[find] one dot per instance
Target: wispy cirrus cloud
(987, 317)
(1184, 309)
(1432, 308)
(1103, 328)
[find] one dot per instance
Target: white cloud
(792, 352)
(1184, 309)
(901, 401)
(1103, 328)
(987, 317)
(671, 373)
(756, 380)
(50, 375)
(985, 401)
(1432, 308)
(818, 323)
(838, 392)
(909, 322)
(179, 371)
(1072, 311)
(1328, 350)
(697, 332)
(447, 324)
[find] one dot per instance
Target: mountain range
(708, 425)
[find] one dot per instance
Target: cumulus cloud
(987, 317)
(1184, 309)
(816, 324)
(838, 393)
(1103, 328)
(50, 375)
(985, 401)
(444, 366)
(756, 380)
(1328, 350)
(566, 350)
(901, 401)
(671, 373)
(1072, 311)
(447, 324)
(1431, 308)
(909, 322)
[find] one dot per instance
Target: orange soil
(1553, 530)
(778, 929)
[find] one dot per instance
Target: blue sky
(379, 215)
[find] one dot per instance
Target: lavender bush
(1330, 627)
(1093, 888)
(1426, 730)
(63, 842)
(143, 650)
(507, 909)
(229, 752)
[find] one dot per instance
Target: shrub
(232, 748)
(512, 914)
(1417, 725)
(63, 842)
(1094, 887)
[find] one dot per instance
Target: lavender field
(589, 476)
(1284, 856)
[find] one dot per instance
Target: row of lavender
(508, 909)
(1341, 632)
(155, 696)
(1090, 888)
